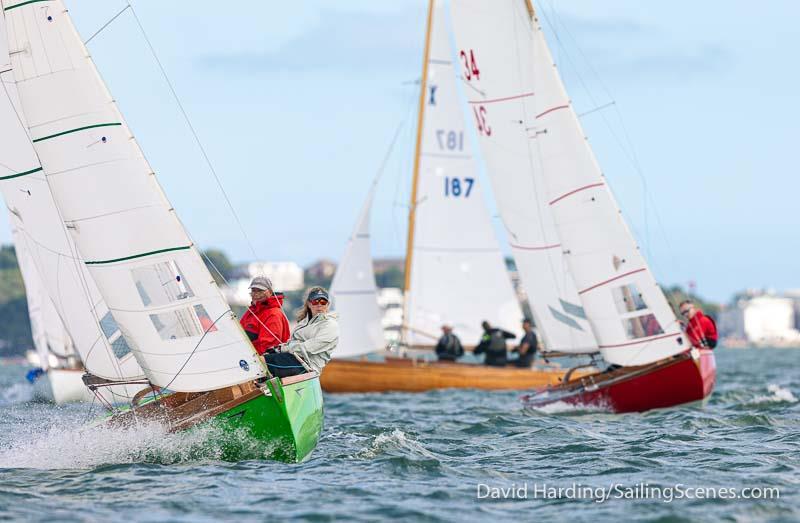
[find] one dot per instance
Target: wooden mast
(531, 10)
(415, 177)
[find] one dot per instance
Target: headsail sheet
(354, 293)
(522, 112)
(458, 274)
(151, 276)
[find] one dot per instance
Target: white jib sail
(354, 293)
(523, 101)
(518, 186)
(458, 274)
(152, 278)
(72, 300)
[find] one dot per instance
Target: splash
(16, 393)
(777, 394)
(561, 407)
(395, 440)
(71, 444)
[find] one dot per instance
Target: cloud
(344, 39)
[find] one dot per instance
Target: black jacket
(449, 348)
(493, 343)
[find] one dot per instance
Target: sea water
(453, 455)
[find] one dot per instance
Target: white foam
(562, 407)
(71, 444)
(394, 439)
(16, 393)
(778, 394)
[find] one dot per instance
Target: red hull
(683, 379)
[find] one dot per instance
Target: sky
(692, 110)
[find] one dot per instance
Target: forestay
(68, 297)
(354, 293)
(458, 274)
(152, 278)
(522, 111)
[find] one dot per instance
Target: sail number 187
(458, 187)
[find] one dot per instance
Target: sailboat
(158, 316)
(528, 130)
(455, 272)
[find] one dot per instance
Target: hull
(685, 378)
(408, 375)
(280, 419)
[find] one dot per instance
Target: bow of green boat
(280, 418)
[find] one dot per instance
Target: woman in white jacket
(313, 339)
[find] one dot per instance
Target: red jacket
(265, 323)
(701, 331)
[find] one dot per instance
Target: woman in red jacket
(700, 329)
(264, 322)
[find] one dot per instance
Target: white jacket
(314, 339)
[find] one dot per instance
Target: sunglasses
(319, 301)
(685, 312)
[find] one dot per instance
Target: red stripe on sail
(535, 247)
(639, 341)
(610, 280)
(579, 189)
(507, 98)
(551, 110)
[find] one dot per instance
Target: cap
(262, 283)
(319, 294)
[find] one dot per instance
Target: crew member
(700, 329)
(449, 347)
(493, 343)
(527, 347)
(264, 322)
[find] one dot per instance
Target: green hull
(288, 423)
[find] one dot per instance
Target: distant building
(384, 264)
(762, 320)
(322, 270)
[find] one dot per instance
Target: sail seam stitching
(76, 130)
(134, 256)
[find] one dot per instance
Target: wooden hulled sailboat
(528, 130)
(455, 271)
(157, 316)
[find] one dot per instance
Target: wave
(777, 394)
(16, 393)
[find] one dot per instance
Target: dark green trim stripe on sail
(20, 174)
(9, 8)
(62, 133)
(134, 256)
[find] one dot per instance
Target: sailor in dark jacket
(449, 347)
(493, 343)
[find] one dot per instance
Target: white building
(765, 320)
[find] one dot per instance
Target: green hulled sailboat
(158, 318)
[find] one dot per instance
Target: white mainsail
(69, 299)
(522, 110)
(146, 268)
(354, 293)
(458, 274)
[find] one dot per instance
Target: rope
(194, 133)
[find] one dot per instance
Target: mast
(415, 176)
